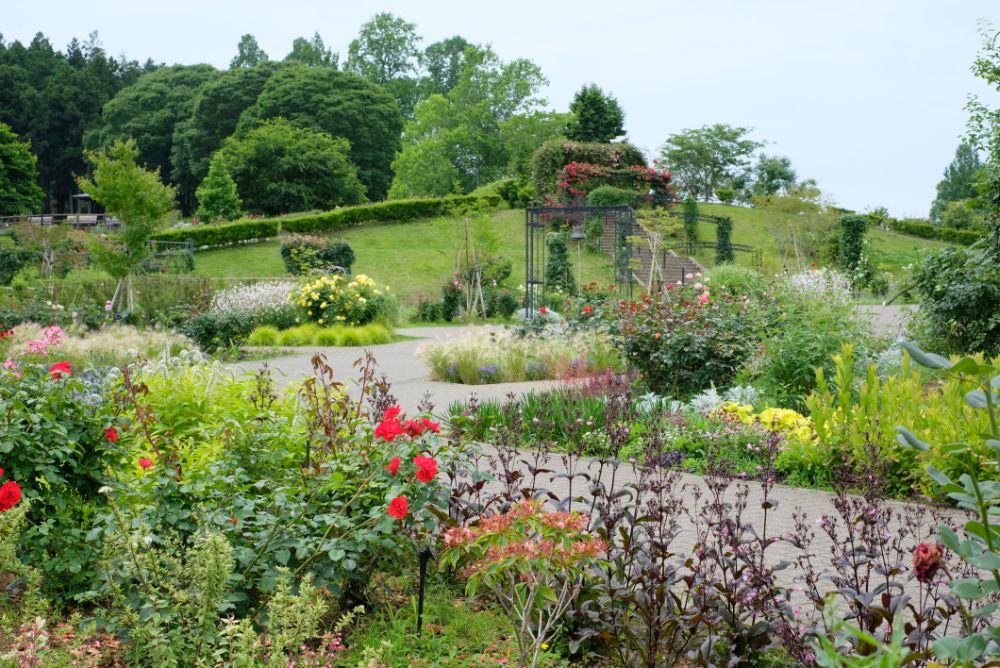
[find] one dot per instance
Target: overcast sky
(864, 96)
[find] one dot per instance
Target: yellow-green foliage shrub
(850, 414)
(314, 335)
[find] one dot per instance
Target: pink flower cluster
(50, 337)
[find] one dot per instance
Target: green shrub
(302, 253)
(737, 281)
(853, 230)
(612, 196)
(264, 336)
(681, 345)
(394, 211)
(212, 331)
(225, 234)
(501, 303)
(960, 301)
(451, 300)
(724, 240)
(558, 270)
(919, 228)
(555, 154)
(428, 311)
(52, 443)
(726, 195)
(310, 334)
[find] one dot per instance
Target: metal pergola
(618, 220)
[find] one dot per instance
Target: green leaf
(950, 539)
(282, 557)
(929, 360)
(967, 365)
(976, 399)
(988, 561)
(969, 588)
(906, 438)
(938, 477)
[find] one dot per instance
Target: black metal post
(425, 556)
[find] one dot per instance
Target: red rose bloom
(145, 462)
(398, 507)
(427, 468)
(388, 430)
(430, 426)
(927, 560)
(588, 309)
(60, 369)
(111, 434)
(543, 310)
(391, 412)
(10, 494)
(413, 428)
(393, 465)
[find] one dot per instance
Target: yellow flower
(545, 645)
(323, 305)
(320, 321)
(309, 312)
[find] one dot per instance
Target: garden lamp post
(578, 235)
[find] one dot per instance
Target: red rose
(427, 468)
(927, 560)
(431, 426)
(543, 310)
(10, 494)
(391, 412)
(145, 462)
(588, 309)
(393, 466)
(388, 430)
(398, 507)
(413, 428)
(111, 434)
(59, 369)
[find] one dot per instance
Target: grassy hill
(415, 258)
(762, 229)
(412, 258)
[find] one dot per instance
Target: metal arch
(538, 219)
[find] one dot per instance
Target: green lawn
(761, 229)
(415, 258)
(411, 258)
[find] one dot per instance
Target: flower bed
(482, 357)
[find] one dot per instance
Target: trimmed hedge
(397, 211)
(224, 234)
(927, 231)
(555, 154)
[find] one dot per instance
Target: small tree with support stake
(139, 200)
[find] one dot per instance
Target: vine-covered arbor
(616, 224)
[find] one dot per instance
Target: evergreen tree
(690, 215)
(558, 270)
(598, 116)
(217, 196)
(19, 191)
(959, 180)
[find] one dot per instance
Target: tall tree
(248, 53)
(280, 168)
(468, 123)
(52, 98)
(959, 182)
(385, 49)
(773, 174)
(386, 52)
(19, 191)
(342, 105)
(524, 133)
(443, 62)
(216, 110)
(312, 52)
(138, 199)
(149, 111)
(703, 158)
(597, 116)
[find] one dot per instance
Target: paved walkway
(400, 364)
(887, 320)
